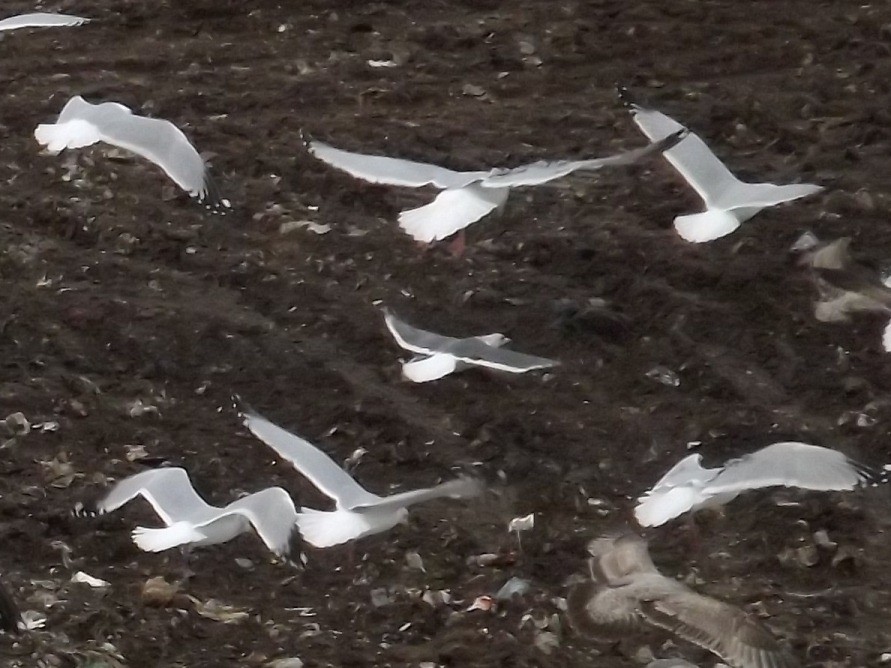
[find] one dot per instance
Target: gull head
(495, 340)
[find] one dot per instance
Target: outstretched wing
(168, 490)
(543, 171)
(791, 464)
(311, 462)
(41, 20)
(391, 171)
(719, 627)
(272, 513)
(474, 351)
(459, 488)
(416, 340)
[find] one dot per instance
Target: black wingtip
(625, 97)
(212, 199)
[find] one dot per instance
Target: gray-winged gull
(845, 286)
(440, 355)
(357, 512)
(82, 124)
(41, 20)
(689, 487)
(192, 521)
(728, 201)
(627, 594)
(466, 196)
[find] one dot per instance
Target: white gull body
(728, 201)
(438, 355)
(357, 512)
(689, 487)
(466, 196)
(192, 521)
(161, 142)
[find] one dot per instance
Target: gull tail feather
(699, 228)
(322, 528)
(72, 134)
(158, 540)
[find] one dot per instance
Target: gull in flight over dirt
(191, 521)
(438, 355)
(161, 142)
(628, 594)
(690, 487)
(845, 285)
(466, 196)
(41, 20)
(357, 512)
(728, 201)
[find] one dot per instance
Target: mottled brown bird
(627, 594)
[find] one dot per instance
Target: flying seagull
(627, 594)
(728, 201)
(191, 521)
(438, 355)
(845, 286)
(41, 20)
(357, 512)
(689, 487)
(83, 124)
(466, 196)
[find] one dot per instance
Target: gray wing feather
(416, 340)
(790, 464)
(542, 171)
(474, 351)
(168, 490)
(391, 171)
(459, 488)
(41, 20)
(272, 513)
(311, 462)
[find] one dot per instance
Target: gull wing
(475, 351)
(416, 340)
(391, 171)
(791, 464)
(452, 210)
(168, 490)
(543, 171)
(687, 471)
(272, 513)
(311, 462)
(675, 493)
(156, 140)
(719, 627)
(459, 488)
(602, 612)
(41, 20)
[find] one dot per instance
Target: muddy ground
(129, 316)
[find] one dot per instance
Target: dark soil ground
(129, 316)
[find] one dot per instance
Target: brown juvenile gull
(466, 196)
(845, 286)
(83, 124)
(689, 487)
(439, 355)
(728, 201)
(357, 512)
(191, 521)
(628, 594)
(41, 20)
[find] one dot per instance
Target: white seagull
(728, 201)
(357, 512)
(438, 355)
(83, 124)
(690, 487)
(466, 196)
(41, 20)
(628, 594)
(191, 521)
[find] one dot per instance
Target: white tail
(72, 134)
(699, 228)
(158, 540)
